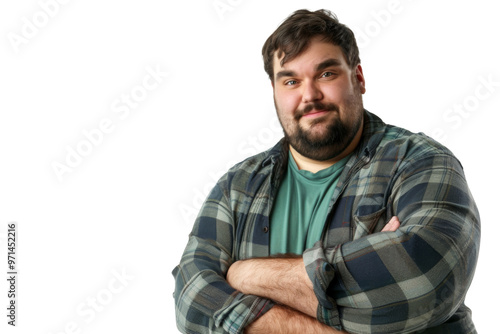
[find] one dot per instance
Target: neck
(315, 166)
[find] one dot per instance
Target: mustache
(315, 105)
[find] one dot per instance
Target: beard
(337, 136)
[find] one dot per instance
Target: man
(346, 225)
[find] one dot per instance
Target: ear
(361, 78)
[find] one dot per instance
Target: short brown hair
(295, 33)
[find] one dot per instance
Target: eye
(327, 74)
(290, 82)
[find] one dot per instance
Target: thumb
(392, 225)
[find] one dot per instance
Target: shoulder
(382, 136)
(400, 150)
(414, 144)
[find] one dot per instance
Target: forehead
(315, 53)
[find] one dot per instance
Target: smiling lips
(315, 110)
(315, 113)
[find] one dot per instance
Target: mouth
(315, 113)
(315, 110)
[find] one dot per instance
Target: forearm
(281, 319)
(283, 280)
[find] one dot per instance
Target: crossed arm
(285, 281)
(402, 281)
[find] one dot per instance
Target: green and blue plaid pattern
(411, 280)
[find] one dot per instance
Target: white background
(130, 203)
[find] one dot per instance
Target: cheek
(287, 103)
(336, 94)
(285, 111)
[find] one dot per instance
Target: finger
(392, 225)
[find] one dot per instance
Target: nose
(311, 92)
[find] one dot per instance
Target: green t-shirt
(301, 206)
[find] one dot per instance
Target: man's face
(318, 100)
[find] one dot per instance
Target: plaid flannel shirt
(412, 280)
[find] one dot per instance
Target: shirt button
(265, 229)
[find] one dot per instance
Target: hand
(392, 225)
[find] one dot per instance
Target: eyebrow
(321, 66)
(331, 62)
(285, 73)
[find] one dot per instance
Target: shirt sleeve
(204, 301)
(410, 279)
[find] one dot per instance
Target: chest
(358, 207)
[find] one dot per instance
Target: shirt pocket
(368, 224)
